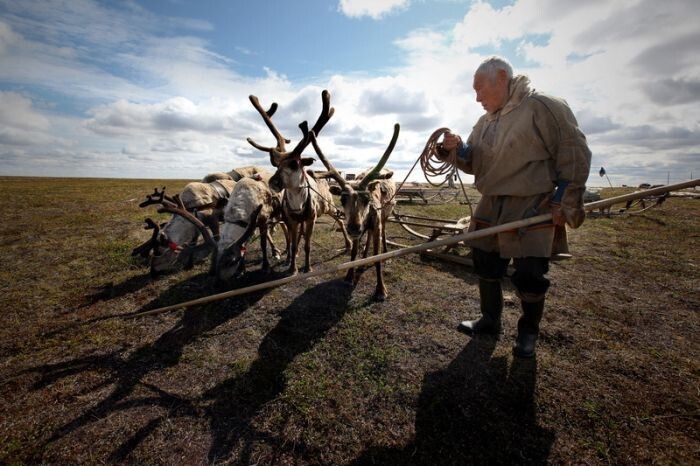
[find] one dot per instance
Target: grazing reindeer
(165, 250)
(205, 200)
(252, 205)
(176, 241)
(367, 203)
(305, 198)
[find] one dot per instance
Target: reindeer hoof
(380, 297)
(306, 269)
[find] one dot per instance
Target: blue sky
(158, 89)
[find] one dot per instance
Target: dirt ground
(315, 372)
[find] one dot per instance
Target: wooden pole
(417, 248)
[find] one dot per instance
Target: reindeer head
(358, 198)
(290, 165)
(230, 256)
(177, 236)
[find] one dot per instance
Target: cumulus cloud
(172, 115)
(17, 111)
(23, 125)
(673, 91)
(180, 145)
(391, 97)
(375, 9)
(162, 101)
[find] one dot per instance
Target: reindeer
(252, 205)
(368, 204)
(166, 251)
(305, 197)
(206, 201)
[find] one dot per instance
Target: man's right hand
(451, 141)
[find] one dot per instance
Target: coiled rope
(435, 168)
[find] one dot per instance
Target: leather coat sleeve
(571, 156)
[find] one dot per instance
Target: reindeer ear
(335, 189)
(306, 161)
(372, 185)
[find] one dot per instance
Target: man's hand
(451, 141)
(558, 217)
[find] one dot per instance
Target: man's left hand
(558, 217)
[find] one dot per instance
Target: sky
(159, 88)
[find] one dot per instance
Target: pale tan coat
(518, 156)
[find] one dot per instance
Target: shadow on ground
(128, 373)
(236, 401)
(475, 411)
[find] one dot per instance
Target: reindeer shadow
(109, 290)
(129, 373)
(236, 401)
(475, 411)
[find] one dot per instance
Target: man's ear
(502, 76)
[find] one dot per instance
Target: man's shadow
(237, 400)
(475, 411)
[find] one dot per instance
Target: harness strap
(220, 189)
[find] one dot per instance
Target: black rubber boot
(528, 329)
(491, 296)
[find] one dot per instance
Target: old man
(528, 157)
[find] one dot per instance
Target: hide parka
(524, 157)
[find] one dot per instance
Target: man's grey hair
(491, 65)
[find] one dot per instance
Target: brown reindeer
(305, 197)
(368, 204)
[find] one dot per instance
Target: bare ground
(317, 373)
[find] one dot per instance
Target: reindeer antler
(331, 170)
(279, 153)
(267, 118)
(375, 171)
(145, 248)
(156, 198)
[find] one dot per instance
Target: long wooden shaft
(414, 249)
(640, 194)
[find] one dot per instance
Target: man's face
(492, 94)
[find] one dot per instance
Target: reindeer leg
(350, 276)
(383, 235)
(308, 233)
(275, 252)
(348, 243)
(361, 270)
(287, 240)
(380, 292)
(294, 233)
(366, 251)
(263, 245)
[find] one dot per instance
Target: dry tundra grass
(313, 373)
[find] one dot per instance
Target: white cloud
(162, 102)
(375, 9)
(180, 145)
(17, 111)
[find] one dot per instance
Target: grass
(317, 373)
